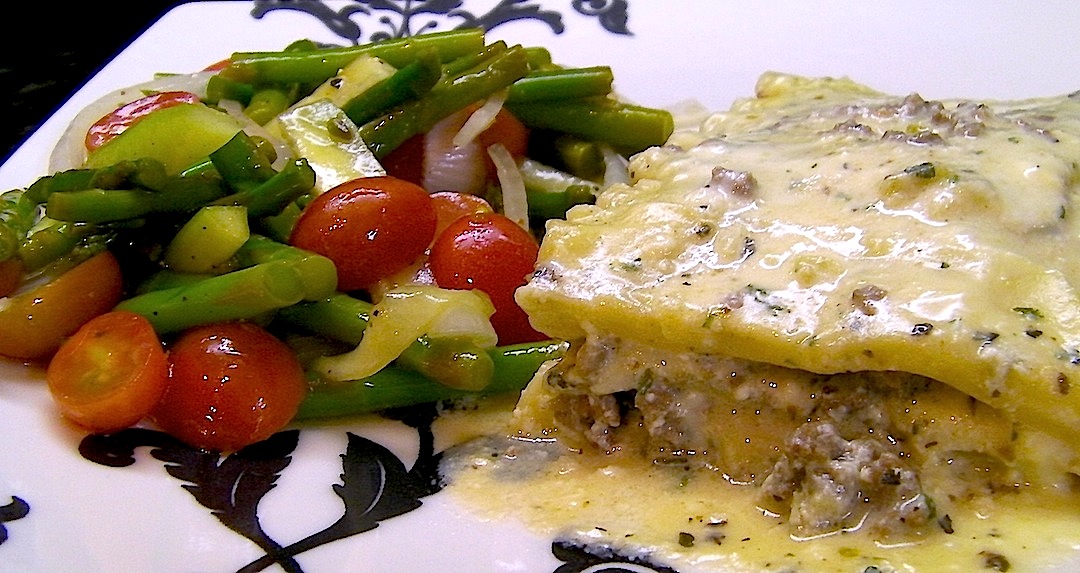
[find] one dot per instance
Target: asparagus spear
(626, 127)
(383, 135)
(393, 386)
(316, 66)
(561, 84)
(244, 294)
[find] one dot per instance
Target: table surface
(64, 45)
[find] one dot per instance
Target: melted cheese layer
(826, 227)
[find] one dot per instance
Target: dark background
(49, 49)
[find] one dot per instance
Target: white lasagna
(861, 307)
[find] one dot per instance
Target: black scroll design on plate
(578, 558)
(375, 485)
(17, 509)
(404, 18)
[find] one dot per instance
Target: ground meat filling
(828, 483)
(831, 453)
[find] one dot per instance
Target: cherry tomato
(451, 205)
(35, 322)
(406, 161)
(110, 373)
(490, 252)
(510, 132)
(218, 65)
(370, 227)
(231, 385)
(123, 117)
(409, 160)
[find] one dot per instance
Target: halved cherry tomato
(370, 227)
(123, 117)
(492, 253)
(451, 205)
(35, 322)
(231, 385)
(110, 374)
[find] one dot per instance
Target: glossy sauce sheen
(848, 290)
(699, 522)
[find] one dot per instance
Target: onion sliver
(616, 167)
(449, 167)
(70, 150)
(515, 201)
(480, 120)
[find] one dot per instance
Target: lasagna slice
(864, 306)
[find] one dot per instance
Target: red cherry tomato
(34, 323)
(406, 161)
(218, 65)
(510, 132)
(489, 252)
(110, 374)
(409, 160)
(451, 205)
(370, 227)
(123, 117)
(231, 385)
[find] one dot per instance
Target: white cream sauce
(699, 521)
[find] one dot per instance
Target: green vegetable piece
(339, 317)
(219, 88)
(208, 239)
(550, 192)
(450, 361)
(385, 134)
(408, 83)
(394, 386)
(626, 127)
(180, 195)
(179, 137)
(562, 83)
(293, 181)
(238, 295)
(51, 240)
(357, 77)
(18, 214)
(266, 103)
(316, 66)
(316, 271)
(241, 163)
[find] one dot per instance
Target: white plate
(67, 513)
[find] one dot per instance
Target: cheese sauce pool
(700, 522)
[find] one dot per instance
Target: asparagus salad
(329, 230)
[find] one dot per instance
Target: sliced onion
(70, 150)
(480, 120)
(449, 167)
(515, 201)
(616, 167)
